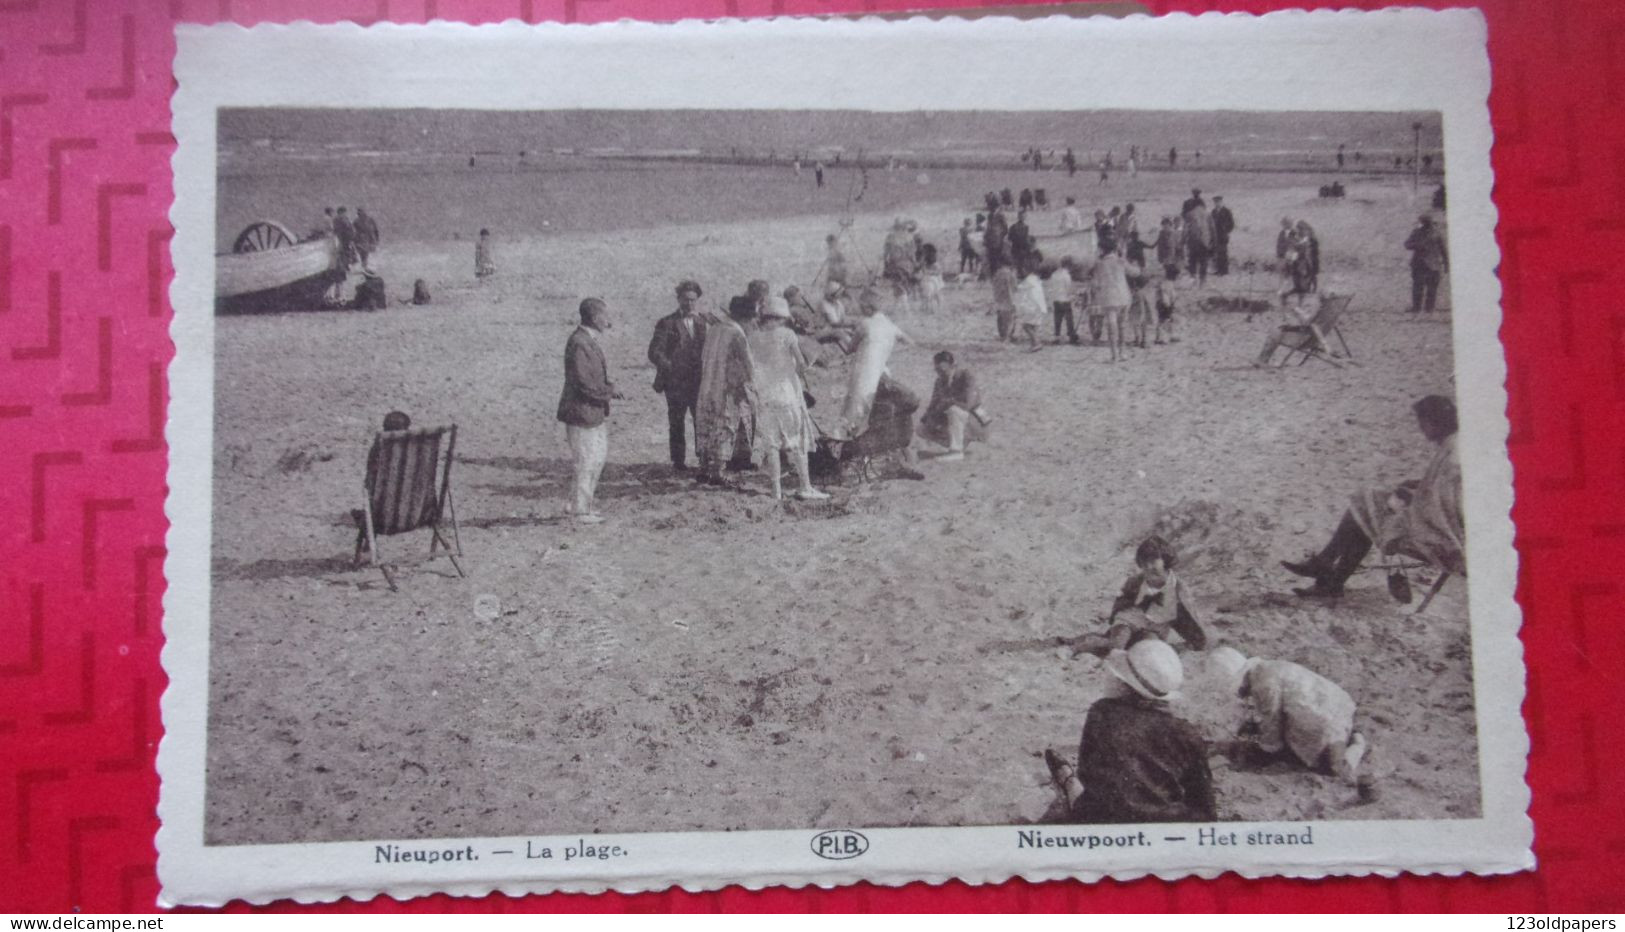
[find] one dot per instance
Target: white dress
(877, 336)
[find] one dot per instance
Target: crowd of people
(739, 378)
(1127, 295)
(357, 239)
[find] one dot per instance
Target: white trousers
(589, 448)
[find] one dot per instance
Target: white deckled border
(1394, 60)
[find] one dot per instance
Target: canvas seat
(1314, 340)
(408, 488)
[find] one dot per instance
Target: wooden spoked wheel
(262, 235)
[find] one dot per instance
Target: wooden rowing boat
(268, 269)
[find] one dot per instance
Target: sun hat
(776, 307)
(1231, 665)
(1149, 667)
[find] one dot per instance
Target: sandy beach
(715, 660)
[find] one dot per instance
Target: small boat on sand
(270, 269)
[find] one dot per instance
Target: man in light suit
(584, 406)
(675, 350)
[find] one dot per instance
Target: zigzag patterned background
(84, 344)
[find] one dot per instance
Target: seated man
(1137, 760)
(954, 415)
(1294, 714)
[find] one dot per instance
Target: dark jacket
(1224, 223)
(1184, 621)
(676, 355)
(956, 388)
(1021, 241)
(1166, 248)
(365, 230)
(587, 388)
(1140, 763)
(1427, 249)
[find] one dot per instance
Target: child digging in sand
(1153, 603)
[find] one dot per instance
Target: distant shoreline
(971, 163)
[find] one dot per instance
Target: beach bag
(420, 292)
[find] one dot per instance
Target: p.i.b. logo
(839, 844)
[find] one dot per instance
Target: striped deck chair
(1316, 344)
(408, 489)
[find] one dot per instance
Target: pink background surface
(84, 316)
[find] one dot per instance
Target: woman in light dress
(782, 422)
(875, 336)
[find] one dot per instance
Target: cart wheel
(262, 235)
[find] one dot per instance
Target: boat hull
(291, 278)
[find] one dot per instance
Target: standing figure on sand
(834, 261)
(1198, 236)
(1224, 223)
(874, 338)
(584, 408)
(1429, 260)
(783, 426)
(677, 351)
(366, 237)
(344, 232)
(485, 264)
(724, 416)
(1109, 292)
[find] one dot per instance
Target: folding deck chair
(1324, 325)
(408, 488)
(890, 429)
(1399, 566)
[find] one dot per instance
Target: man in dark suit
(675, 350)
(584, 406)
(1224, 223)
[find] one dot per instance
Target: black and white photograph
(582, 472)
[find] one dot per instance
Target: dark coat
(365, 231)
(1223, 224)
(1139, 763)
(956, 388)
(587, 388)
(1427, 249)
(676, 355)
